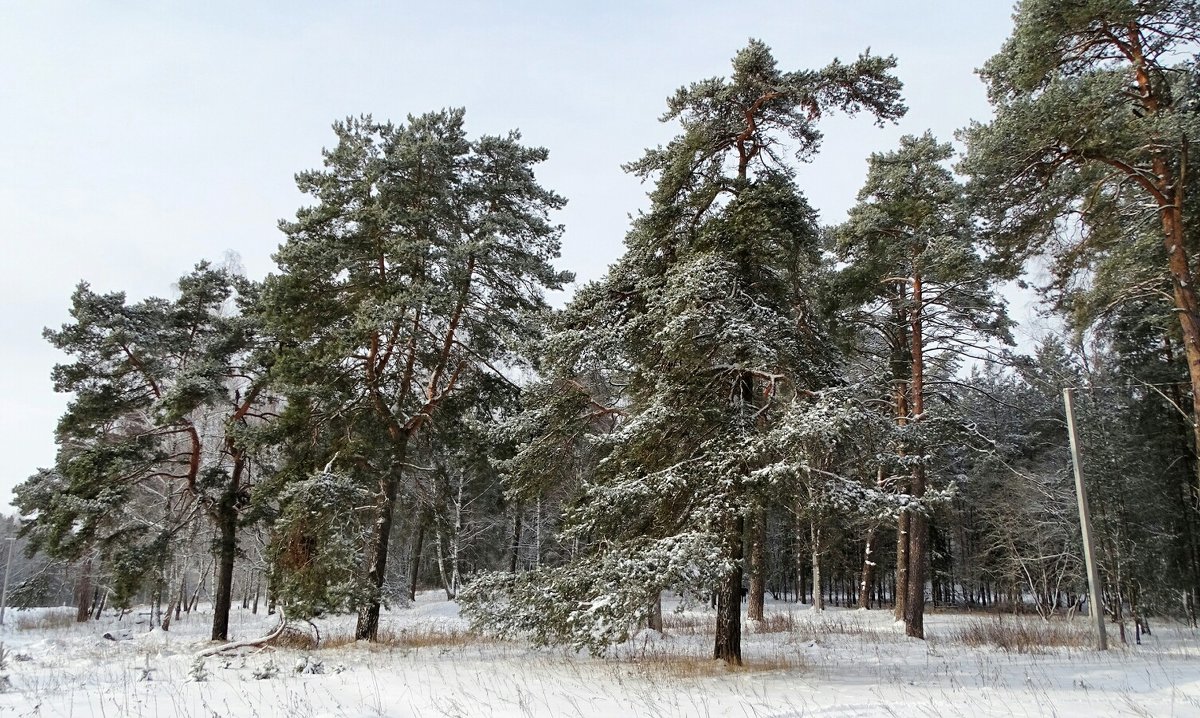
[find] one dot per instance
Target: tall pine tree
(927, 295)
(701, 321)
(415, 269)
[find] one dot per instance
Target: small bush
(265, 672)
(198, 672)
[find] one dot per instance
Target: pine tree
(413, 271)
(924, 290)
(1094, 108)
(701, 328)
(153, 435)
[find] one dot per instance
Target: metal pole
(7, 571)
(1085, 523)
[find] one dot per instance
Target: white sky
(138, 138)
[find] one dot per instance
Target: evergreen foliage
(1095, 103)
(151, 438)
(419, 268)
(703, 330)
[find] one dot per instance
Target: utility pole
(7, 572)
(1085, 523)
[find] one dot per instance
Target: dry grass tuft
(430, 637)
(674, 665)
(415, 637)
(688, 624)
(1018, 635)
(53, 619)
(337, 640)
(843, 624)
(297, 638)
(775, 623)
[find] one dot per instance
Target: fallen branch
(234, 645)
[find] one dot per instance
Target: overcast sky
(139, 138)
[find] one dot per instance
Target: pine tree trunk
(900, 593)
(801, 589)
(455, 547)
(901, 378)
(655, 620)
(818, 602)
(918, 523)
(368, 613)
(226, 516)
(414, 563)
(918, 566)
(758, 566)
(516, 538)
(83, 593)
(537, 534)
(728, 640)
(801, 585)
(868, 570)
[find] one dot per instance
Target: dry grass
(774, 623)
(688, 624)
(410, 638)
(53, 619)
(1019, 635)
(845, 625)
(674, 665)
(296, 637)
(804, 625)
(430, 637)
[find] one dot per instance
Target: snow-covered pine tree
(695, 335)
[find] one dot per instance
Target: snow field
(835, 663)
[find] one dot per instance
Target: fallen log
(234, 645)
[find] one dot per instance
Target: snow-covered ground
(839, 663)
